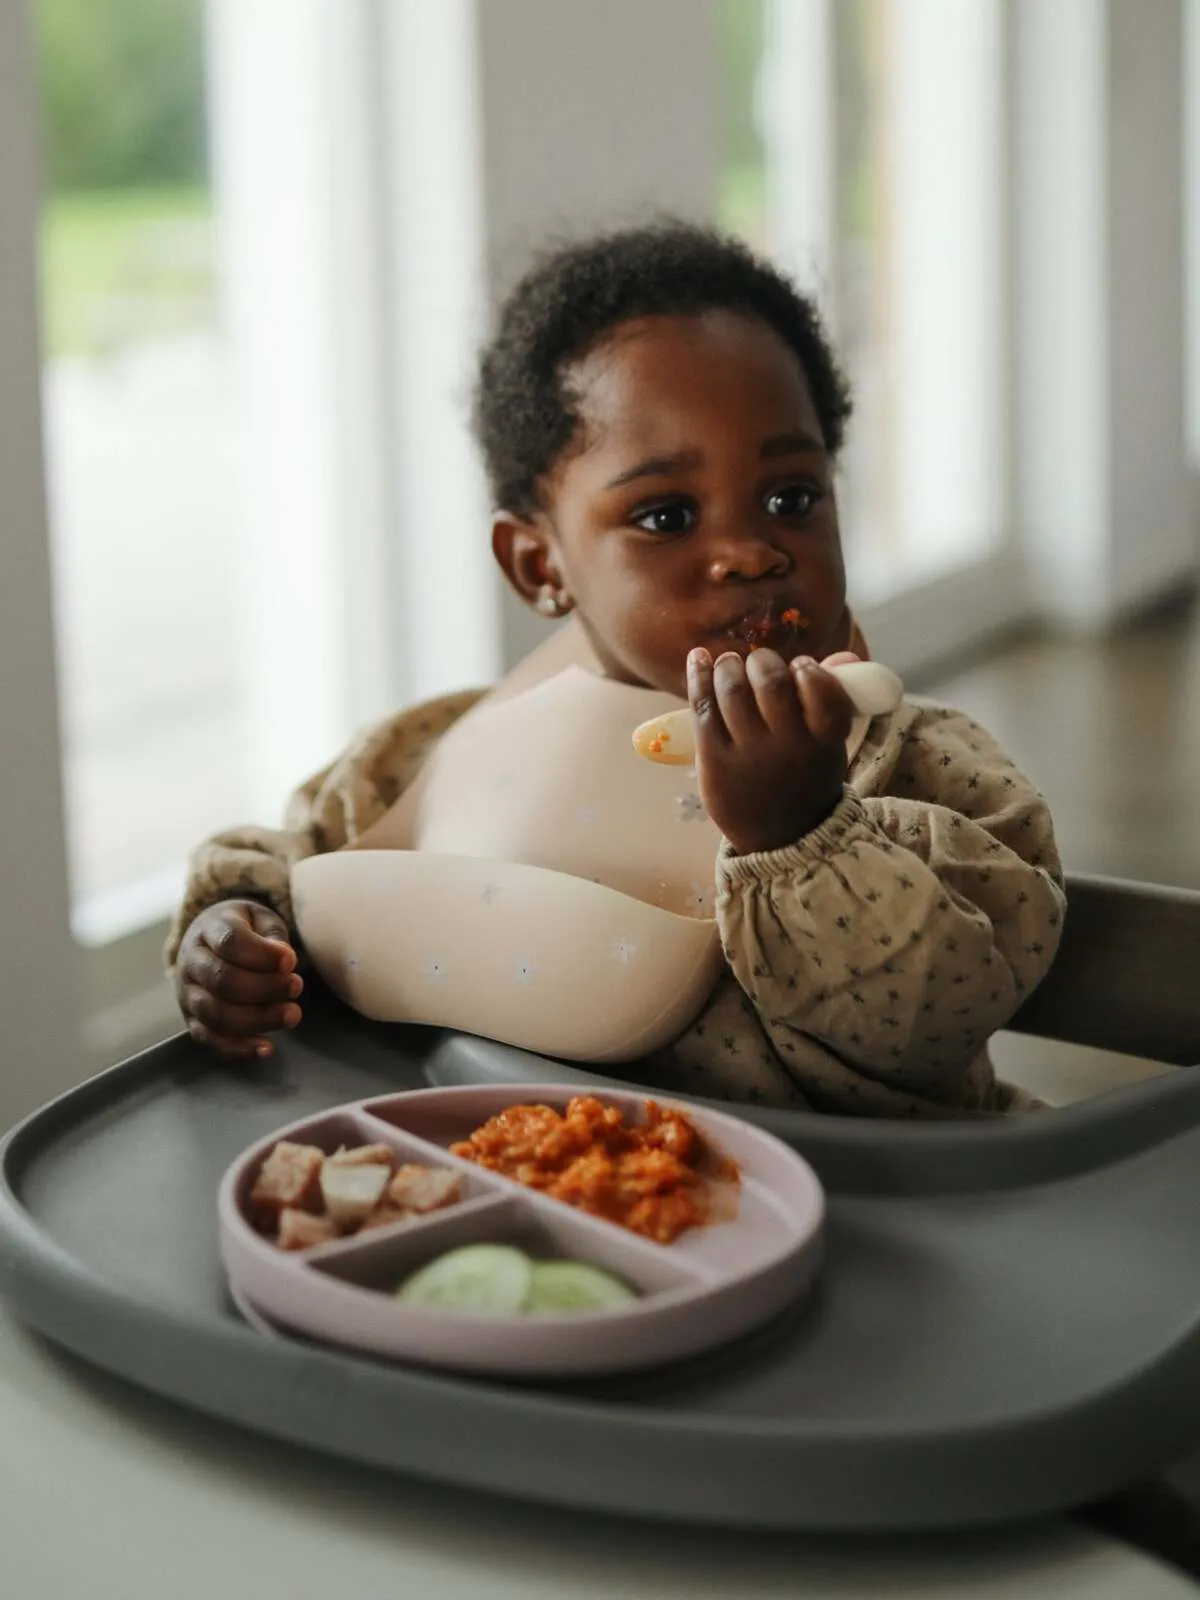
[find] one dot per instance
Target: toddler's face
(696, 504)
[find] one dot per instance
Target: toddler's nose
(747, 555)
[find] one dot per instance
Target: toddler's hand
(236, 978)
(770, 745)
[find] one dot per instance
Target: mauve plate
(707, 1287)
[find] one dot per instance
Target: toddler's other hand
(236, 978)
(770, 745)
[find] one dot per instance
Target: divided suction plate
(711, 1284)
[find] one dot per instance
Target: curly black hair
(574, 295)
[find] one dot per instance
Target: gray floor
(1110, 730)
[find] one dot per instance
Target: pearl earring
(548, 604)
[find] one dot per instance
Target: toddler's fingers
(270, 925)
(706, 713)
(236, 1021)
(735, 698)
(828, 711)
(239, 984)
(229, 1049)
(235, 941)
(776, 694)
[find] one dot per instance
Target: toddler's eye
(674, 517)
(797, 500)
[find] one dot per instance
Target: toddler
(660, 413)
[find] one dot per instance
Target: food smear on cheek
(657, 1178)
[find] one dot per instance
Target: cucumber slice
(574, 1286)
(486, 1280)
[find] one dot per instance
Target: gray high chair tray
(1008, 1319)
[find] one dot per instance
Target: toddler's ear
(526, 556)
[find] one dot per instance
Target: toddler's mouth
(770, 627)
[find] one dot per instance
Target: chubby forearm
(898, 935)
(240, 864)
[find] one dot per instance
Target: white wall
(1102, 476)
(430, 117)
(1191, 223)
(945, 132)
(39, 996)
(1154, 539)
(591, 115)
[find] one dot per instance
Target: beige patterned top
(867, 965)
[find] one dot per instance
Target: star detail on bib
(700, 898)
(587, 817)
(691, 808)
(435, 969)
(501, 782)
(526, 969)
(353, 963)
(624, 950)
(490, 891)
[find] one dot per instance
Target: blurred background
(258, 241)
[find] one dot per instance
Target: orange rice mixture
(644, 1177)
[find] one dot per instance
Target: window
(1191, 223)
(863, 147)
(220, 421)
(140, 426)
(742, 176)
